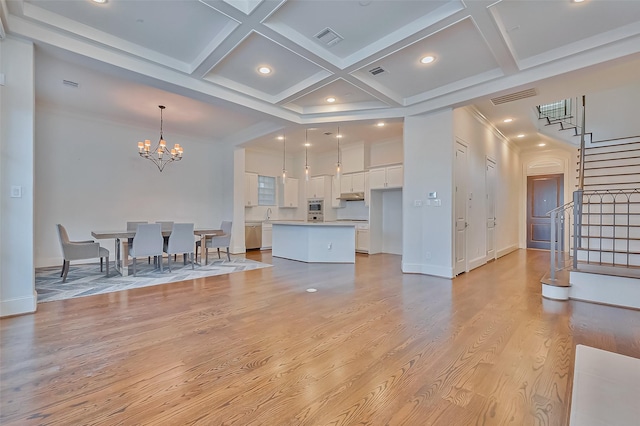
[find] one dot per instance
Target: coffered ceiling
(365, 54)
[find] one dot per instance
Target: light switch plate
(16, 191)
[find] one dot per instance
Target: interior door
(544, 193)
(460, 166)
(490, 179)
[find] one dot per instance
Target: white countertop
(301, 223)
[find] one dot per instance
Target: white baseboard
(19, 306)
(505, 251)
(419, 268)
(477, 262)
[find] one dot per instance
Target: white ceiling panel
(346, 95)
(460, 52)
(240, 67)
(176, 28)
(348, 19)
(534, 27)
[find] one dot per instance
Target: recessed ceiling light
(307, 144)
(521, 136)
(578, 1)
(331, 99)
(280, 138)
(312, 290)
(264, 70)
(542, 144)
(338, 136)
(427, 59)
(507, 120)
(380, 124)
(100, 1)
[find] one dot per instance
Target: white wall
(483, 143)
(385, 153)
(89, 176)
(392, 221)
(17, 275)
(428, 166)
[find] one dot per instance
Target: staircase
(595, 250)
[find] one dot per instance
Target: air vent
(514, 96)
(328, 37)
(377, 70)
(328, 133)
(70, 83)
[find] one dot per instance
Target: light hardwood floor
(371, 347)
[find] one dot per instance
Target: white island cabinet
(321, 242)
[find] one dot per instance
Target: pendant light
(338, 165)
(284, 157)
(306, 155)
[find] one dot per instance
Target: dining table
(122, 243)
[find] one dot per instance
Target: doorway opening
(544, 193)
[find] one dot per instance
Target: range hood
(351, 196)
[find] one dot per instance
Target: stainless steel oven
(315, 211)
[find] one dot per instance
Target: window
(266, 191)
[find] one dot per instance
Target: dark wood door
(544, 193)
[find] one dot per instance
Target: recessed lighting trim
(307, 144)
(280, 138)
(577, 1)
(100, 1)
(331, 99)
(380, 124)
(521, 135)
(542, 144)
(264, 70)
(507, 120)
(312, 290)
(427, 59)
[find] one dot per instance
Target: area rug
(87, 280)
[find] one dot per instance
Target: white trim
(476, 263)
(506, 250)
(23, 305)
(420, 268)
(555, 292)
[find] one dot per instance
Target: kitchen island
(314, 242)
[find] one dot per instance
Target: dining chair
(219, 241)
(148, 241)
(180, 241)
(79, 250)
(132, 226)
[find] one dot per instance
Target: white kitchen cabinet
(335, 193)
(316, 187)
(250, 189)
(352, 182)
(267, 232)
(288, 192)
(386, 177)
(362, 238)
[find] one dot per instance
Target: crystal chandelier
(160, 155)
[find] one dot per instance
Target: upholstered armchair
(79, 250)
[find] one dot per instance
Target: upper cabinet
(317, 187)
(386, 177)
(352, 182)
(250, 189)
(288, 192)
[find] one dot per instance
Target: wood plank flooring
(372, 346)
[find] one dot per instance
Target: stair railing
(607, 227)
(560, 243)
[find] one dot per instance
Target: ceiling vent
(70, 83)
(377, 70)
(328, 37)
(514, 96)
(328, 133)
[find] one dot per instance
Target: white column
(17, 116)
(427, 237)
